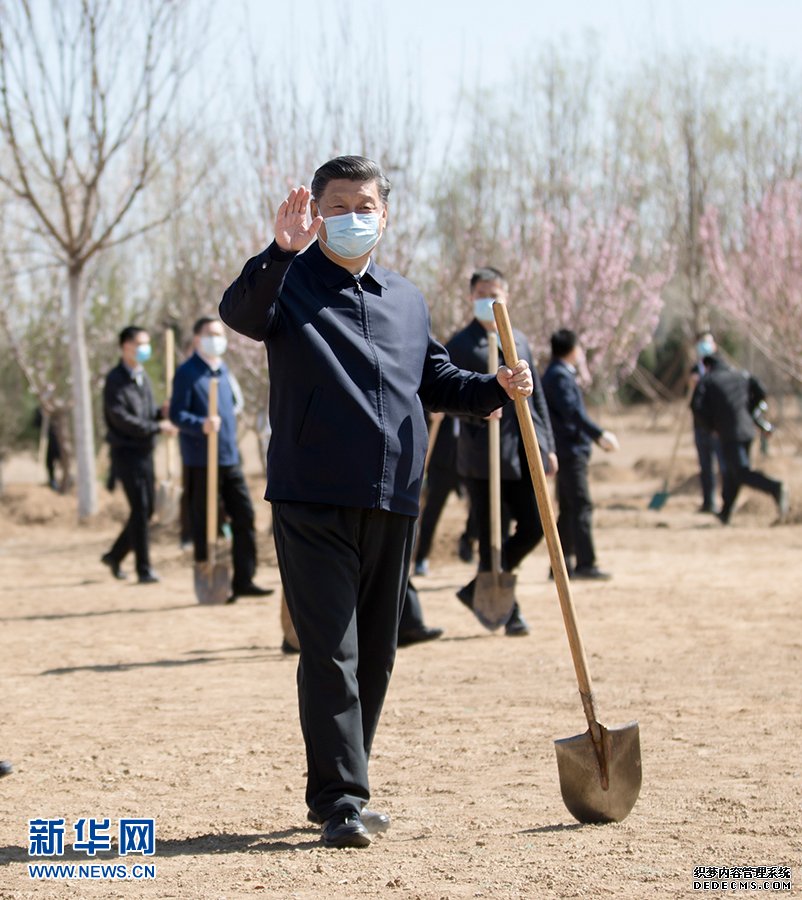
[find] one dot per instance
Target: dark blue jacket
(352, 364)
(189, 406)
(468, 349)
(574, 431)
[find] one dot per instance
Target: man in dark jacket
(189, 410)
(133, 421)
(722, 403)
(469, 350)
(352, 362)
(574, 434)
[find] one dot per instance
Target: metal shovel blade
(212, 582)
(167, 505)
(582, 779)
(494, 598)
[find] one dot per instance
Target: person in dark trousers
(133, 421)
(441, 480)
(708, 446)
(189, 410)
(574, 433)
(724, 401)
(352, 364)
(411, 627)
(53, 447)
(468, 349)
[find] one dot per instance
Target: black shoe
(465, 549)
(345, 829)
(418, 636)
(724, 516)
(465, 594)
(6, 768)
(149, 577)
(707, 508)
(286, 647)
(590, 573)
(108, 560)
(374, 822)
(516, 624)
(252, 590)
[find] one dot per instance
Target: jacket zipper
(380, 390)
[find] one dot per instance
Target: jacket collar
(334, 275)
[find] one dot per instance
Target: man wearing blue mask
(469, 350)
(352, 364)
(133, 421)
(189, 410)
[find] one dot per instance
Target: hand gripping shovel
(600, 770)
(168, 495)
(494, 592)
(212, 580)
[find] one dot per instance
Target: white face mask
(483, 309)
(352, 235)
(213, 345)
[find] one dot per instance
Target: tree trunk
(83, 426)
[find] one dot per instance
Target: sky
(470, 44)
(474, 40)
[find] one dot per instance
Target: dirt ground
(120, 700)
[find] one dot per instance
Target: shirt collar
(221, 369)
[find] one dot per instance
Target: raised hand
(292, 233)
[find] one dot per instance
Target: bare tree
(86, 121)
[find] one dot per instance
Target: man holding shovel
(469, 350)
(189, 410)
(352, 363)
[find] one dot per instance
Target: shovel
(600, 770)
(168, 495)
(212, 579)
(494, 591)
(660, 499)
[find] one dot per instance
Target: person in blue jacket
(574, 435)
(189, 410)
(352, 363)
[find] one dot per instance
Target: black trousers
(238, 507)
(519, 504)
(134, 470)
(574, 523)
(737, 472)
(411, 611)
(344, 573)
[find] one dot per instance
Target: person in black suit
(352, 365)
(726, 400)
(441, 479)
(574, 433)
(469, 350)
(133, 422)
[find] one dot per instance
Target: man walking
(352, 363)
(722, 403)
(469, 350)
(189, 409)
(574, 433)
(133, 421)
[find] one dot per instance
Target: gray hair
(351, 168)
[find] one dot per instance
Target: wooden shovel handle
(549, 523)
(494, 474)
(211, 475)
(169, 375)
